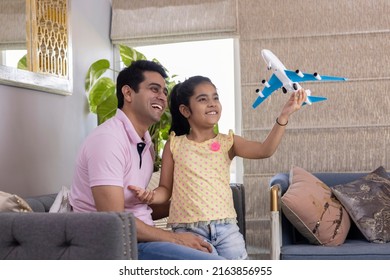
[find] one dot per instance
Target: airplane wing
(274, 83)
(293, 76)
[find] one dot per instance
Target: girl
(196, 161)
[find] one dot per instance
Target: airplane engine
(259, 93)
(265, 83)
(299, 73)
(317, 76)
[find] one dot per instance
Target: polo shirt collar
(143, 144)
(130, 130)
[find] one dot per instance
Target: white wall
(40, 133)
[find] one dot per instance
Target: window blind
(13, 24)
(167, 21)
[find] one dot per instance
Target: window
(10, 58)
(212, 58)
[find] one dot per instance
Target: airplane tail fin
(314, 99)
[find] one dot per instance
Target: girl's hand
(145, 196)
(295, 102)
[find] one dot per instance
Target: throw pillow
(313, 210)
(61, 203)
(367, 201)
(13, 203)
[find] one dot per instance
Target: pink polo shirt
(109, 156)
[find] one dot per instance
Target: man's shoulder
(111, 128)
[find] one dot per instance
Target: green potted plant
(101, 92)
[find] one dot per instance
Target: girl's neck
(200, 135)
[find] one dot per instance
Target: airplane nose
(263, 54)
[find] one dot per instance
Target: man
(118, 153)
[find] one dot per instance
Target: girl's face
(205, 108)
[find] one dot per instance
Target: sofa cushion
(349, 250)
(13, 203)
(367, 201)
(313, 210)
(41, 203)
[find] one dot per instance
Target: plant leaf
(216, 129)
(100, 91)
(107, 108)
(22, 63)
(128, 55)
(96, 69)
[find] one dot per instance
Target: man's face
(150, 101)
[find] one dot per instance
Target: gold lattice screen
(47, 45)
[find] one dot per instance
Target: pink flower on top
(215, 146)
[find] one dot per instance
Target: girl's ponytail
(179, 123)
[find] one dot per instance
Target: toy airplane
(288, 80)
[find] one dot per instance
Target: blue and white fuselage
(288, 80)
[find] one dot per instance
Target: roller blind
(13, 24)
(159, 21)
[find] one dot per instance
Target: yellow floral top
(201, 181)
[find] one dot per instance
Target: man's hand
(145, 196)
(193, 241)
(147, 233)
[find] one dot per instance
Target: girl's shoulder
(174, 139)
(228, 136)
(226, 139)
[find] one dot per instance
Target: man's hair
(133, 75)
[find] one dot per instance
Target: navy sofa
(288, 244)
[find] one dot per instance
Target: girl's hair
(181, 94)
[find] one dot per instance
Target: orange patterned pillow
(313, 210)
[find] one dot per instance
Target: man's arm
(111, 198)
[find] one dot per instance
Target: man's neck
(138, 125)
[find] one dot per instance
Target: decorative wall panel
(48, 42)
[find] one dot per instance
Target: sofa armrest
(282, 231)
(282, 180)
(238, 191)
(275, 223)
(68, 236)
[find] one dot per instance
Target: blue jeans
(226, 239)
(171, 251)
